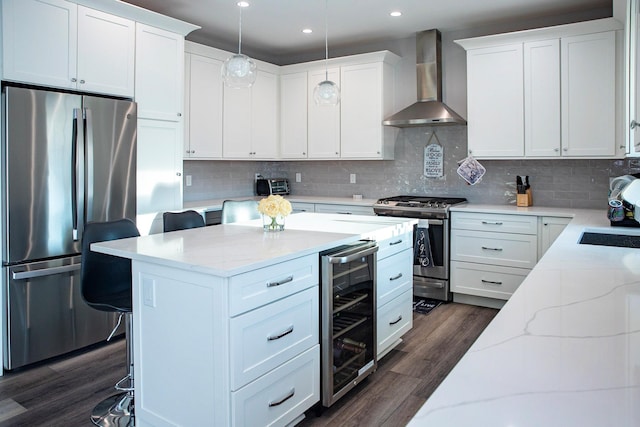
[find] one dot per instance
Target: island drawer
(395, 276)
(486, 280)
(393, 245)
(265, 285)
(280, 396)
(265, 338)
(394, 320)
(510, 250)
(500, 223)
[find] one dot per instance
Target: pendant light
(326, 92)
(239, 71)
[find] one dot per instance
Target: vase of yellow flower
(274, 209)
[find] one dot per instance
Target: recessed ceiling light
(243, 4)
(396, 13)
(307, 31)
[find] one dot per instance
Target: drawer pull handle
(491, 249)
(395, 277)
(280, 282)
(396, 321)
(397, 242)
(491, 282)
(492, 222)
(284, 399)
(280, 335)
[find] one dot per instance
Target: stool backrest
(239, 210)
(173, 221)
(105, 280)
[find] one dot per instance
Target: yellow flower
(274, 205)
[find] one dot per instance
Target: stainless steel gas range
(431, 239)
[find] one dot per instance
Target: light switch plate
(352, 178)
(298, 177)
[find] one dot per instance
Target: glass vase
(273, 223)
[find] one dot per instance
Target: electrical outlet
(352, 178)
(188, 179)
(298, 177)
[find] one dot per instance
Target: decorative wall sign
(433, 158)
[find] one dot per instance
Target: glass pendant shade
(326, 93)
(239, 71)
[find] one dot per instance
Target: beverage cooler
(348, 318)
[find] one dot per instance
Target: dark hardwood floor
(63, 392)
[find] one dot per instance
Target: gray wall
(566, 183)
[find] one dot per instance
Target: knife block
(525, 199)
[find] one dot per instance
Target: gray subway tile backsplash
(582, 183)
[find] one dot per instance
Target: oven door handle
(423, 222)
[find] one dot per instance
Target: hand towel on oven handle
(422, 245)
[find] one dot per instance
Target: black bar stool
(173, 221)
(105, 281)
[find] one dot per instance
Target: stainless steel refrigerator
(66, 159)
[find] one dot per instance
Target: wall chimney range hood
(429, 110)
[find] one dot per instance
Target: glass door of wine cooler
(348, 318)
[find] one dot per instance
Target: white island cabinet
(226, 318)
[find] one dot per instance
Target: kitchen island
(226, 318)
(564, 350)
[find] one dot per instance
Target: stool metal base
(114, 411)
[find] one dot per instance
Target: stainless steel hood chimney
(429, 110)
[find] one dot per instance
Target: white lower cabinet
(489, 281)
(550, 228)
(282, 395)
(394, 320)
(394, 292)
(228, 359)
(267, 337)
(344, 209)
(491, 253)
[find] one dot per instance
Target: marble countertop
(564, 350)
(229, 249)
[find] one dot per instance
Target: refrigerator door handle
(88, 152)
(30, 274)
(74, 173)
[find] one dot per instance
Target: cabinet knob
(337, 153)
(81, 81)
(633, 124)
(179, 114)
(178, 174)
(304, 154)
(556, 149)
(565, 149)
(470, 152)
(73, 79)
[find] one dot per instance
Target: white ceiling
(273, 28)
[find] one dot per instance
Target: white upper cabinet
(365, 88)
(589, 94)
(293, 115)
(159, 73)
(542, 98)
(495, 101)
(323, 120)
(250, 119)
(632, 107)
(60, 44)
(203, 107)
(544, 93)
(350, 130)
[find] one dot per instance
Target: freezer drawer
(46, 315)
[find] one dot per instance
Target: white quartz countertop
(564, 350)
(229, 249)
